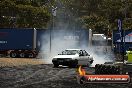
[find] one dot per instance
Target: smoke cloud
(66, 34)
(67, 39)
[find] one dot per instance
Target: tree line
(102, 15)
(91, 14)
(23, 14)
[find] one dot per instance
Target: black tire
(13, 54)
(82, 80)
(22, 55)
(56, 65)
(30, 55)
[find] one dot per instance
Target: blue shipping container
(117, 36)
(117, 40)
(11, 39)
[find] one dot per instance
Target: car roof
(98, 34)
(73, 49)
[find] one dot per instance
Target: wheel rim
(13, 54)
(22, 55)
(30, 55)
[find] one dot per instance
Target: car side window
(81, 53)
(85, 53)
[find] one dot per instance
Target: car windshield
(69, 52)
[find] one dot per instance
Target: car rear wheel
(13, 54)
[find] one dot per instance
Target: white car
(72, 58)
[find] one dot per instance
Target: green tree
(23, 13)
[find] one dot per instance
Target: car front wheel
(56, 65)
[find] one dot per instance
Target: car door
(83, 58)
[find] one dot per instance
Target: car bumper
(64, 62)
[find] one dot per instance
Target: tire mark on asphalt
(29, 76)
(51, 78)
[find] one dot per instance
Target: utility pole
(121, 31)
(53, 15)
(122, 41)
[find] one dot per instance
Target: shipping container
(127, 41)
(18, 42)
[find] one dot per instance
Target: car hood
(66, 56)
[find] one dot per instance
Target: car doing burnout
(72, 58)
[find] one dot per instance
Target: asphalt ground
(45, 76)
